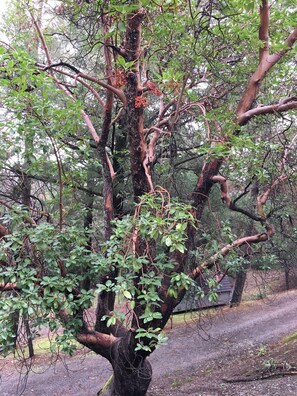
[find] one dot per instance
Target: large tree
(123, 118)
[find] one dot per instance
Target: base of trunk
(129, 381)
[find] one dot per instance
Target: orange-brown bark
(262, 237)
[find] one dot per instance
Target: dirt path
(197, 357)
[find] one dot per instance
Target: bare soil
(238, 351)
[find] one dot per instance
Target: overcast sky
(2, 5)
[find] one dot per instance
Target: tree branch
(88, 86)
(266, 62)
(49, 61)
(9, 287)
(98, 342)
(269, 109)
(288, 44)
(263, 30)
(226, 198)
(262, 198)
(234, 245)
(111, 88)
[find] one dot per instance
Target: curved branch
(149, 159)
(60, 86)
(265, 65)
(62, 64)
(224, 188)
(269, 109)
(98, 342)
(234, 245)
(226, 197)
(262, 198)
(114, 90)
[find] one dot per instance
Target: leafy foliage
(142, 143)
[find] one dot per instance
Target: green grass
(42, 346)
(185, 317)
(290, 338)
(178, 383)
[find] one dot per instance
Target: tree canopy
(138, 139)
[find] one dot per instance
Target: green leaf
(180, 248)
(111, 321)
(30, 311)
(127, 294)
(168, 241)
(172, 292)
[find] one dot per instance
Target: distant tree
(126, 122)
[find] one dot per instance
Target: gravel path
(190, 346)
